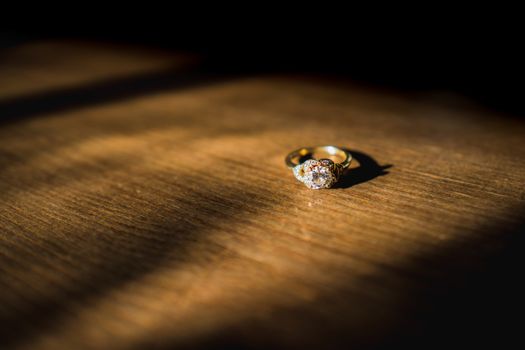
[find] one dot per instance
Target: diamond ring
(318, 167)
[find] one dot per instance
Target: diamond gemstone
(315, 174)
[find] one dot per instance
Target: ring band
(318, 167)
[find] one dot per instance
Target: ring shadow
(367, 170)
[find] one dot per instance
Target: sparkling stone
(298, 171)
(316, 174)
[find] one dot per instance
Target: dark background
(471, 53)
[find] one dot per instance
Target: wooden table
(144, 203)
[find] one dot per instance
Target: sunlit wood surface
(144, 203)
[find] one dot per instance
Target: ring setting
(318, 167)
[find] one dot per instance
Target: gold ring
(318, 167)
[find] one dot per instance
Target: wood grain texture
(142, 206)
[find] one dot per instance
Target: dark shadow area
(110, 90)
(8, 40)
(470, 294)
(367, 170)
(480, 61)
